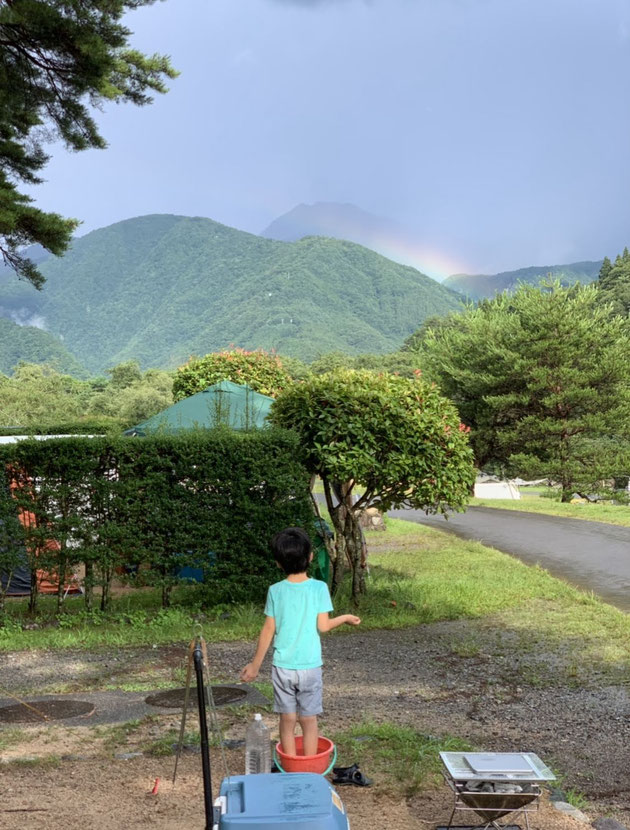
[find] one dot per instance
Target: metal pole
(203, 731)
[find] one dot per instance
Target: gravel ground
(414, 677)
(116, 796)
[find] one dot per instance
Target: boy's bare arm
(324, 623)
(250, 672)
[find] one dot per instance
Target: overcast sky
(497, 130)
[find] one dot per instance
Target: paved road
(593, 555)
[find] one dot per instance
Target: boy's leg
(287, 732)
(309, 698)
(285, 704)
(309, 733)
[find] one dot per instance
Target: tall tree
(59, 59)
(542, 378)
(614, 283)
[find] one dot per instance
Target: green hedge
(158, 504)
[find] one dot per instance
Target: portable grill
(494, 785)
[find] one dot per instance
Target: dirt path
(416, 677)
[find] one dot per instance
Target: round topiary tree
(377, 441)
(262, 371)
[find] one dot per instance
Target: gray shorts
(297, 690)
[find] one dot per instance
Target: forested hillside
(478, 286)
(32, 345)
(159, 288)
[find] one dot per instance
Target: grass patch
(614, 514)
(118, 735)
(265, 688)
(14, 735)
(398, 757)
(422, 575)
(43, 762)
(150, 626)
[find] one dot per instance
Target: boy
(297, 610)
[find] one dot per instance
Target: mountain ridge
(160, 287)
(480, 286)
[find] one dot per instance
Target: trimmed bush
(262, 371)
(208, 499)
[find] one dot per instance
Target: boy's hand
(249, 673)
(352, 620)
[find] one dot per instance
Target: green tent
(225, 403)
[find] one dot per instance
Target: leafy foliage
(542, 378)
(398, 439)
(39, 397)
(263, 372)
(211, 499)
(211, 287)
(59, 58)
(405, 363)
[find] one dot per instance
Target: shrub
(262, 371)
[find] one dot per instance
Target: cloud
(26, 317)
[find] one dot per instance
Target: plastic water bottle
(257, 747)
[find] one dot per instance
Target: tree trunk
(88, 585)
(106, 593)
(32, 600)
(61, 578)
(3, 594)
(348, 539)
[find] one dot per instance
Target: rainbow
(431, 261)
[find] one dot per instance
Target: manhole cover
(52, 709)
(174, 698)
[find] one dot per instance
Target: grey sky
(498, 131)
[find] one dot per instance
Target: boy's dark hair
(291, 549)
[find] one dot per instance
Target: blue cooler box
(298, 801)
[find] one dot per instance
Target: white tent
(497, 489)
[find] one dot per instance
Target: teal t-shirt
(295, 606)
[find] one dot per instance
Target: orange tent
(47, 581)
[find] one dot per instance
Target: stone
(608, 824)
(570, 810)
(372, 519)
(127, 756)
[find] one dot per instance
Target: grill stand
(492, 806)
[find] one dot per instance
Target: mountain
(159, 288)
(332, 219)
(478, 286)
(33, 345)
(346, 221)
